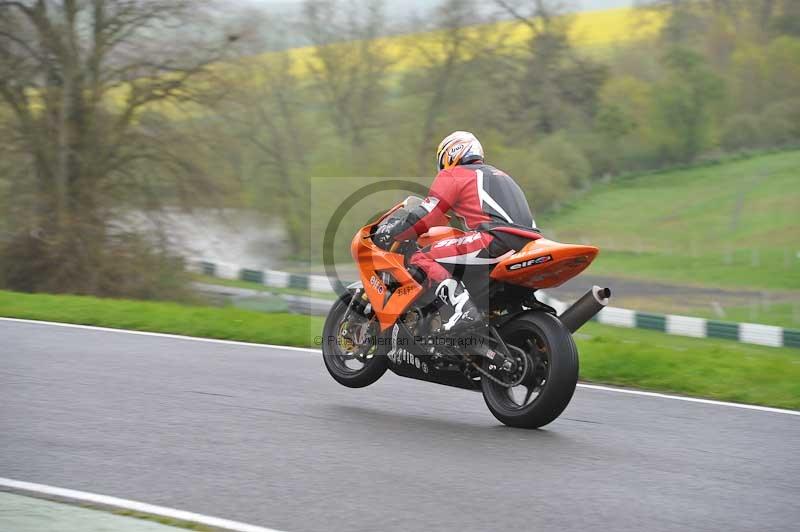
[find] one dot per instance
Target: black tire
(552, 347)
(335, 359)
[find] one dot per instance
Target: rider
(491, 206)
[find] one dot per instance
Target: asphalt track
(263, 435)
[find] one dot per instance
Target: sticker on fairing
(464, 240)
(530, 262)
(430, 203)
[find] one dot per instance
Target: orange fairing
(543, 263)
(372, 262)
(435, 234)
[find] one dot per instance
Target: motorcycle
(523, 360)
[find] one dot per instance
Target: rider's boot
(465, 313)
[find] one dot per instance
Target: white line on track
(690, 399)
(125, 504)
(159, 335)
(316, 351)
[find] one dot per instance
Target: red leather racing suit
(491, 206)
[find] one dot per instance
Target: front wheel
(550, 376)
(349, 346)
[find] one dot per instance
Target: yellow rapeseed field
(407, 52)
(588, 29)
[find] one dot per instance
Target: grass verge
(718, 369)
(168, 521)
(706, 367)
(224, 323)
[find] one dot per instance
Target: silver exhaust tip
(585, 308)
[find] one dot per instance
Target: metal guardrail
(749, 333)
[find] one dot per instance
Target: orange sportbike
(522, 358)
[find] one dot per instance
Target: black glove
(384, 236)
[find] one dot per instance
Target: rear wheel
(349, 346)
(548, 376)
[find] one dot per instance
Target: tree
(557, 152)
(692, 22)
(783, 67)
(783, 18)
(272, 138)
(548, 85)
(740, 132)
(445, 78)
(623, 126)
(350, 64)
(685, 103)
(90, 91)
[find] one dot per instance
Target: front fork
(358, 334)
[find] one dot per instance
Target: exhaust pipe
(585, 308)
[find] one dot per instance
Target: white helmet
(460, 147)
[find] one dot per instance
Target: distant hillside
(403, 14)
(734, 224)
(589, 29)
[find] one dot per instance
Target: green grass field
(691, 366)
(781, 314)
(704, 367)
(732, 225)
(225, 323)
